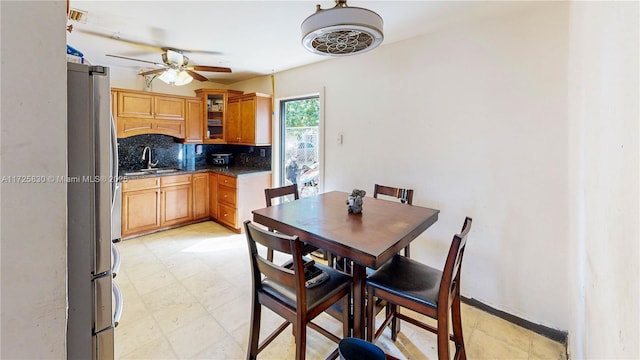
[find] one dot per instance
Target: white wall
(604, 157)
(474, 119)
(33, 142)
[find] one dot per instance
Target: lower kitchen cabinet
(140, 206)
(151, 204)
(227, 201)
(176, 201)
(213, 196)
(237, 197)
(200, 196)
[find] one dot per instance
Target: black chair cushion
(408, 279)
(315, 295)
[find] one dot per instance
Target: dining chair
(405, 196)
(406, 283)
(285, 193)
(282, 290)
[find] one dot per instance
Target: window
(300, 147)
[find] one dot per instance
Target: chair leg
(346, 316)
(456, 320)
(371, 317)
(443, 333)
(407, 251)
(300, 330)
(254, 331)
(395, 322)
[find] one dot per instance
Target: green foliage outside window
(302, 113)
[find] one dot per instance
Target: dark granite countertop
(233, 171)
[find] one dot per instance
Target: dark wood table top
(370, 239)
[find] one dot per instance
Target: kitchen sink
(151, 171)
(163, 171)
(136, 173)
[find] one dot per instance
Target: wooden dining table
(369, 238)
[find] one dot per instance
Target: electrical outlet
(263, 152)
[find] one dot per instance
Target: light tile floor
(187, 295)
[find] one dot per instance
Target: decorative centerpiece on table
(354, 201)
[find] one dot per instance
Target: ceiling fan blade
(196, 76)
(128, 58)
(211, 68)
(205, 52)
(151, 72)
(117, 36)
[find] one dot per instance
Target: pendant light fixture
(342, 30)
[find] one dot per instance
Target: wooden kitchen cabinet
(150, 204)
(214, 103)
(176, 202)
(227, 200)
(213, 196)
(169, 107)
(140, 206)
(140, 112)
(233, 128)
(194, 116)
(145, 105)
(249, 119)
(200, 185)
(237, 197)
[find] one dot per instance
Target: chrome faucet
(146, 155)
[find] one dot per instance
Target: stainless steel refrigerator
(91, 189)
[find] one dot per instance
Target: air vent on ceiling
(78, 15)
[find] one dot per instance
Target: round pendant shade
(342, 31)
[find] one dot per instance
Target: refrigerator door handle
(114, 163)
(117, 313)
(117, 260)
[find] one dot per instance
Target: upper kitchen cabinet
(249, 119)
(215, 103)
(139, 112)
(194, 121)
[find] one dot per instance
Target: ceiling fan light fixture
(183, 78)
(342, 30)
(169, 76)
(175, 77)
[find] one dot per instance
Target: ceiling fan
(175, 68)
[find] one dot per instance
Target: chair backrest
(270, 194)
(293, 277)
(405, 195)
(450, 282)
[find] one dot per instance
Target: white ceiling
(253, 38)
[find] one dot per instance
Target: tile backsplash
(170, 153)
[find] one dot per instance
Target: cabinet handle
(225, 215)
